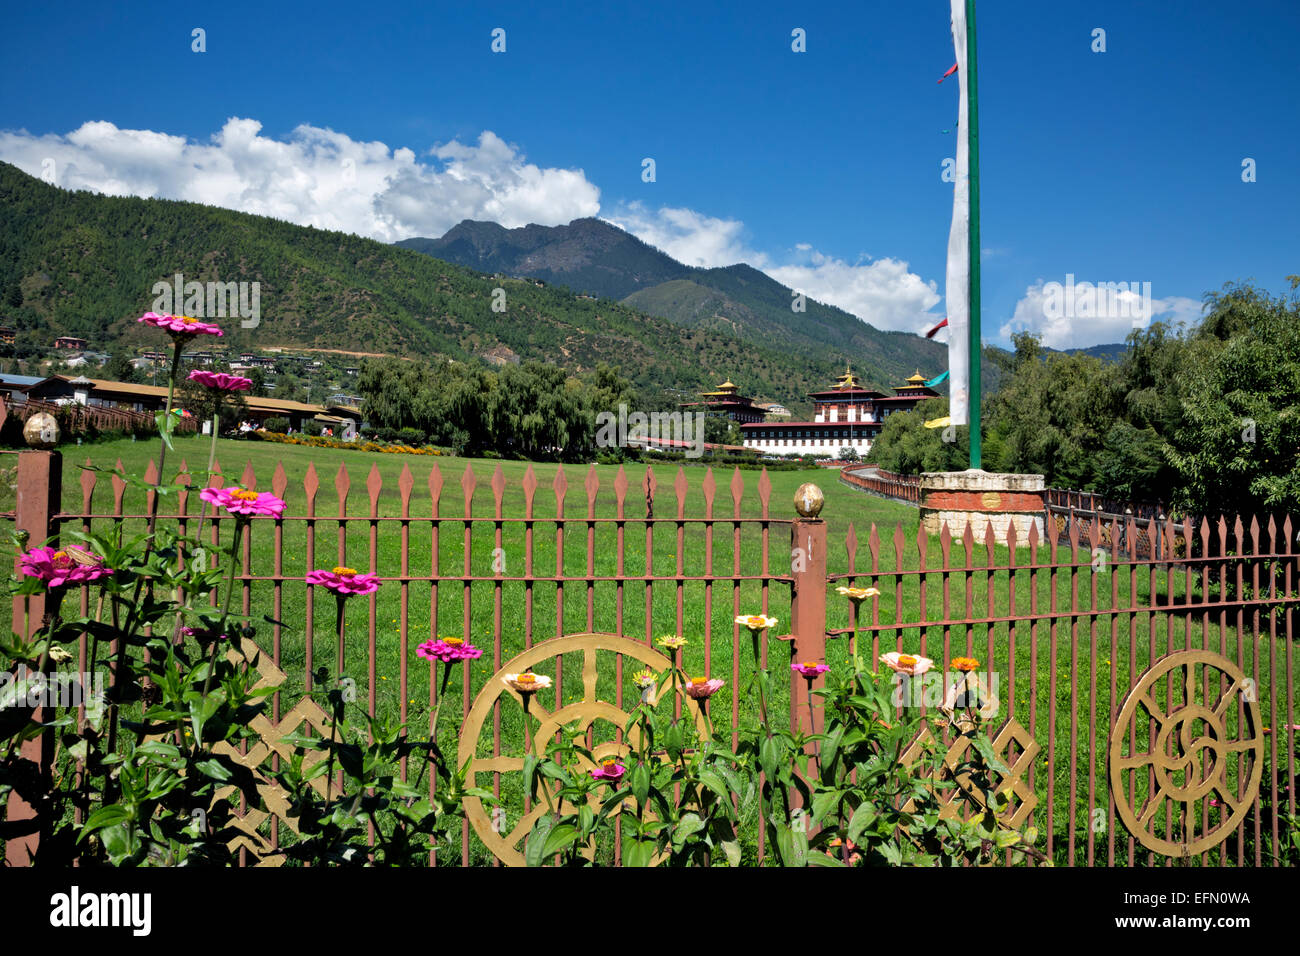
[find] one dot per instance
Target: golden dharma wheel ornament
(1187, 753)
(808, 500)
(41, 431)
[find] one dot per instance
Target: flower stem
(340, 621)
(550, 805)
(166, 424)
(212, 463)
(225, 613)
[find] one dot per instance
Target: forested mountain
(78, 263)
(595, 257)
(1111, 352)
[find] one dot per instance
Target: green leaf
(119, 843)
(831, 746)
(826, 803)
(164, 423)
(213, 769)
(687, 826)
(639, 781)
(862, 818)
(767, 756)
(560, 838)
(714, 782)
(731, 850)
(159, 748)
(555, 772)
(103, 817)
(824, 859)
(789, 847)
(533, 855)
(985, 748)
(673, 741)
(638, 852)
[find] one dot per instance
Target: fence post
(807, 607)
(40, 487)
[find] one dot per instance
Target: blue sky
(821, 167)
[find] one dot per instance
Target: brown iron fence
(75, 418)
(1146, 708)
(884, 483)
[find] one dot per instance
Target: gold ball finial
(41, 431)
(808, 500)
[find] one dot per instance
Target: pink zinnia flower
(809, 669)
(221, 381)
(609, 769)
(345, 581)
(182, 325)
(245, 503)
(702, 688)
(448, 649)
(57, 567)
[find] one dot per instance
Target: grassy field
(480, 567)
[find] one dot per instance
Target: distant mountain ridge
(596, 257)
(84, 264)
(587, 255)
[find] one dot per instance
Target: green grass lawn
(480, 566)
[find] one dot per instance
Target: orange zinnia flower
(966, 664)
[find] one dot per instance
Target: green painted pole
(973, 148)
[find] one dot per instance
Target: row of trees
(532, 409)
(1204, 418)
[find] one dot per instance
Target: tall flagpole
(973, 148)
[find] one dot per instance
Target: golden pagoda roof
(726, 388)
(918, 378)
(848, 379)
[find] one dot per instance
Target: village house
(62, 390)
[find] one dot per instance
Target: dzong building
(844, 416)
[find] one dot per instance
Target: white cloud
(688, 236)
(315, 177)
(1077, 314)
(882, 292)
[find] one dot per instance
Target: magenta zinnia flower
(220, 381)
(244, 503)
(611, 770)
(809, 669)
(702, 688)
(345, 581)
(448, 649)
(57, 567)
(182, 325)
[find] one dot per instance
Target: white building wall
(808, 446)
